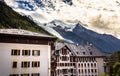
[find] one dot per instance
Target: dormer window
(91, 53)
(64, 51)
(84, 53)
(77, 52)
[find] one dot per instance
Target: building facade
(78, 60)
(25, 53)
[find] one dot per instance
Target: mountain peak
(11, 19)
(99, 15)
(80, 35)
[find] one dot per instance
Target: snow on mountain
(104, 42)
(79, 35)
(60, 17)
(102, 16)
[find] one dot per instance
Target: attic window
(84, 53)
(77, 52)
(89, 48)
(91, 53)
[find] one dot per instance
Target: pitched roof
(80, 50)
(22, 32)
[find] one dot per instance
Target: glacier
(102, 16)
(79, 35)
(75, 21)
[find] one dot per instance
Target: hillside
(11, 19)
(101, 16)
(80, 35)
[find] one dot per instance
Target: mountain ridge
(98, 39)
(99, 15)
(11, 19)
(80, 35)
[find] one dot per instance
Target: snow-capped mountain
(102, 16)
(60, 17)
(79, 35)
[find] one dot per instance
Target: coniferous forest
(11, 19)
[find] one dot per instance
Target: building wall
(100, 65)
(87, 66)
(64, 66)
(83, 65)
(6, 59)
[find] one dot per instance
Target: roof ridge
(22, 32)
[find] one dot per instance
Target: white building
(78, 60)
(24, 53)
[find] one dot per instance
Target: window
(65, 64)
(85, 71)
(92, 70)
(36, 52)
(91, 64)
(35, 64)
(88, 64)
(26, 52)
(14, 75)
(35, 74)
(65, 58)
(25, 64)
(71, 70)
(84, 53)
(81, 65)
(14, 65)
(94, 64)
(64, 71)
(95, 70)
(82, 70)
(85, 65)
(90, 53)
(77, 52)
(79, 71)
(15, 52)
(62, 64)
(64, 51)
(24, 74)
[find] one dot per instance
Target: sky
(102, 16)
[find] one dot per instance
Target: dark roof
(24, 36)
(80, 50)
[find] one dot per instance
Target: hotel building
(25, 53)
(77, 60)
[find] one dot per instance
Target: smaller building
(25, 53)
(77, 60)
